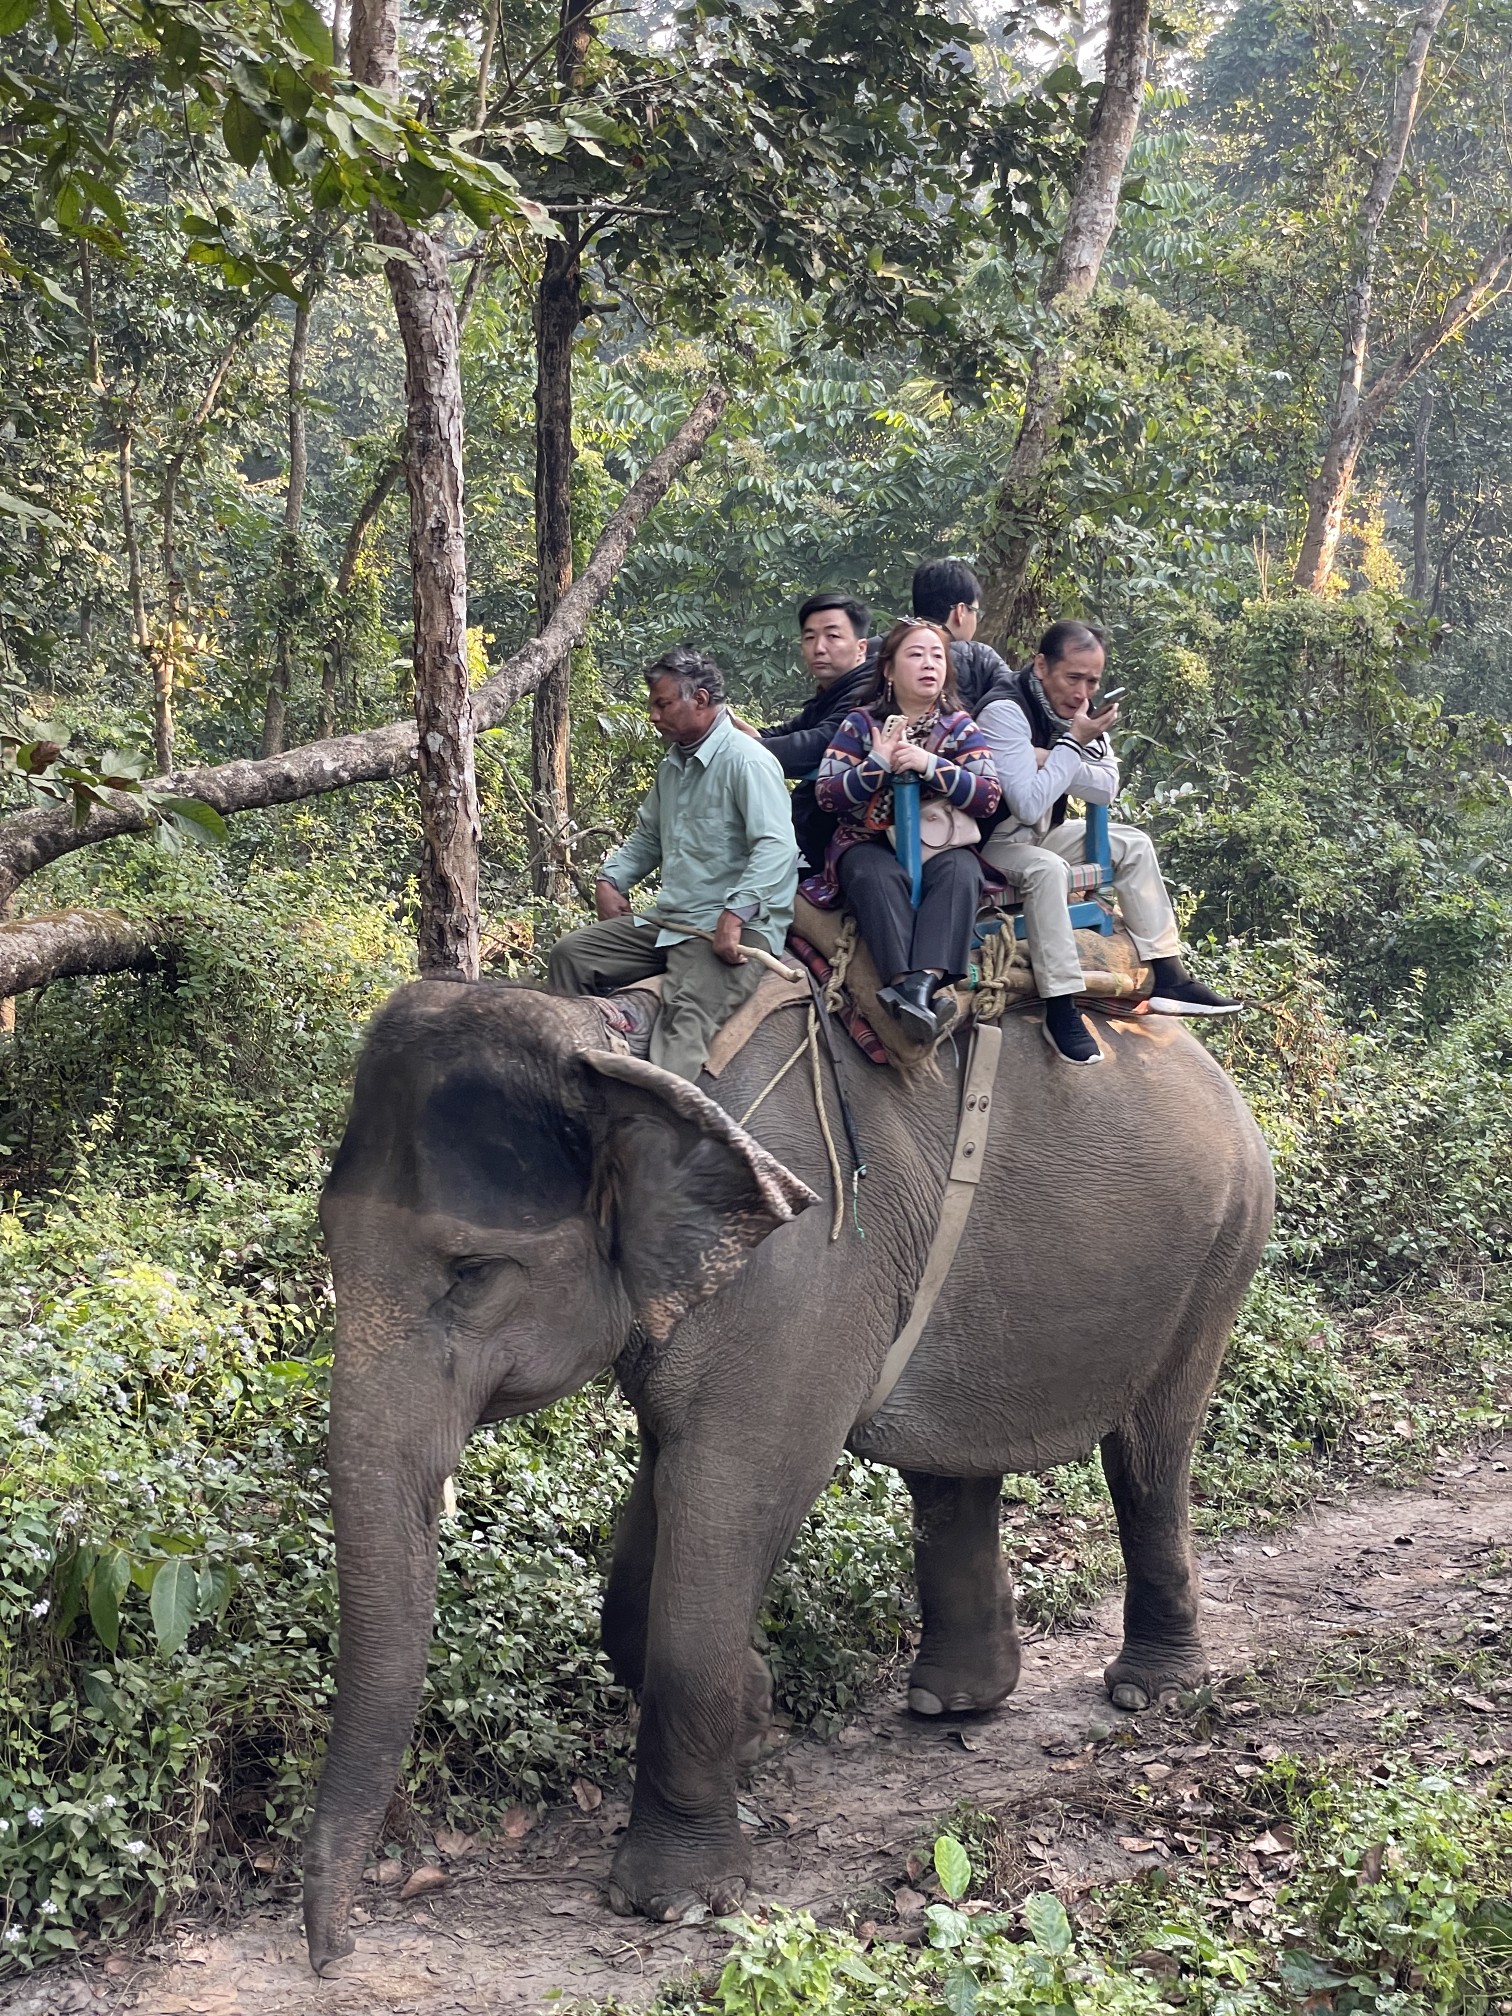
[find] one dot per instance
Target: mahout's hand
(743, 725)
(609, 901)
(727, 939)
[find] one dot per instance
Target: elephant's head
(511, 1207)
(518, 1199)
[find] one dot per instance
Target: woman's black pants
(899, 938)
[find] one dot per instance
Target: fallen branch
(32, 840)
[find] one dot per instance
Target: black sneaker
(1067, 1034)
(1191, 997)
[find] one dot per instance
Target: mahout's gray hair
(693, 670)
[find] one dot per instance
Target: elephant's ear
(691, 1192)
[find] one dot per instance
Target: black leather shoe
(907, 1001)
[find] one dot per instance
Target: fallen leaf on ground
(906, 1902)
(1155, 1772)
(966, 1742)
(1071, 1764)
(1267, 1844)
(454, 1846)
(588, 1795)
(117, 1965)
(426, 1878)
(1371, 1862)
(1136, 1845)
(518, 1822)
(1156, 1962)
(387, 1874)
(1476, 1701)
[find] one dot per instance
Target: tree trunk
(1328, 493)
(155, 662)
(30, 841)
(173, 576)
(1420, 494)
(558, 312)
(420, 285)
(1009, 609)
(334, 658)
(290, 562)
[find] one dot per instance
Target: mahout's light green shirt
(718, 824)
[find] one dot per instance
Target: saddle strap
(972, 1130)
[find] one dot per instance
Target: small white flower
(35, 1815)
(110, 1802)
(47, 1908)
(4, 1826)
(14, 1936)
(136, 1847)
(41, 1609)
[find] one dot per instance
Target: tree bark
(558, 312)
(31, 840)
(1328, 493)
(290, 565)
(420, 285)
(1420, 494)
(1008, 605)
(155, 662)
(333, 662)
(60, 944)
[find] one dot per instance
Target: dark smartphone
(1106, 699)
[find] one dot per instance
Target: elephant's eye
(481, 1281)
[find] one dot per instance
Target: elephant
(517, 1206)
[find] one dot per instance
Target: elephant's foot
(679, 1885)
(973, 1680)
(1144, 1675)
(754, 1732)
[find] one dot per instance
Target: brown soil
(1372, 1607)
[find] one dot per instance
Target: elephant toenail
(922, 1702)
(619, 1902)
(1126, 1695)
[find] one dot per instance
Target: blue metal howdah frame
(1090, 915)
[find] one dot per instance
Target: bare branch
(31, 840)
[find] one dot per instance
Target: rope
(999, 959)
(840, 960)
(837, 1181)
(775, 1080)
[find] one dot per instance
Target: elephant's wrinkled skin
(505, 1220)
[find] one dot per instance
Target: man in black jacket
(948, 593)
(833, 639)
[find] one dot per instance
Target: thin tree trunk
(334, 658)
(1420, 493)
(558, 312)
(1328, 493)
(30, 841)
(141, 635)
(173, 576)
(485, 60)
(290, 566)
(339, 33)
(420, 285)
(1008, 610)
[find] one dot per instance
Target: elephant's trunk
(391, 1451)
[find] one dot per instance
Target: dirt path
(1365, 1609)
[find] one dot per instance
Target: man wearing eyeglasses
(948, 593)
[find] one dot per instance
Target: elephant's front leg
(718, 1537)
(968, 1658)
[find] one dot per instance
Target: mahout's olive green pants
(700, 995)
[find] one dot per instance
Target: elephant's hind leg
(1147, 1460)
(968, 1659)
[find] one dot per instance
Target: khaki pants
(1039, 874)
(700, 995)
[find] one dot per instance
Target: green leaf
(306, 30)
(15, 14)
(242, 131)
(952, 1866)
(68, 1592)
(99, 1690)
(960, 1991)
(175, 1602)
(1049, 1927)
(109, 1580)
(194, 819)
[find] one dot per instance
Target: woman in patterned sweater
(912, 724)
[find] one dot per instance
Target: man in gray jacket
(1047, 747)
